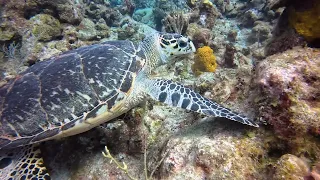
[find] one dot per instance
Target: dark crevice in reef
(315, 43)
(41, 9)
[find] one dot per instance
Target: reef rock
(87, 30)
(290, 167)
(289, 99)
(214, 150)
(65, 10)
(97, 10)
(144, 15)
(293, 167)
(45, 27)
(7, 33)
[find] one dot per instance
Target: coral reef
(16, 13)
(204, 61)
(275, 4)
(28, 22)
(289, 82)
(282, 89)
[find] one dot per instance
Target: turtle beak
(191, 45)
(193, 48)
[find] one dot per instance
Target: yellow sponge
(204, 61)
(306, 22)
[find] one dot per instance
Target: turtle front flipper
(22, 163)
(177, 95)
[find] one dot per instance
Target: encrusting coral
(204, 61)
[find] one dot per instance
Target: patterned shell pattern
(56, 94)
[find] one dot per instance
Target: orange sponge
(204, 61)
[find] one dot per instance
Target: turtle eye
(182, 44)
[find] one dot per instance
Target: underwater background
(257, 57)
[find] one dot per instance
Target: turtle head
(172, 45)
(161, 47)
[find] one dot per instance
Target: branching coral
(175, 23)
(123, 167)
(204, 61)
(11, 51)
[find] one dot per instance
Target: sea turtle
(82, 88)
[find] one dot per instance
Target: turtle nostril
(5, 162)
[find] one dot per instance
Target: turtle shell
(68, 91)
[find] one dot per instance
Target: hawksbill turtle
(82, 88)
